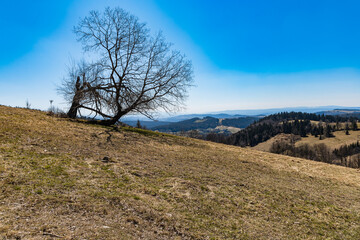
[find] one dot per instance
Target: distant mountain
(147, 124)
(342, 112)
(240, 113)
(252, 112)
(189, 124)
(190, 116)
(207, 124)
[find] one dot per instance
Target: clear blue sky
(246, 54)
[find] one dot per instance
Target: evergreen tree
(347, 128)
(354, 125)
(138, 124)
(328, 132)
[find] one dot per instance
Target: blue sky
(246, 54)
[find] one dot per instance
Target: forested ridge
(205, 123)
(297, 123)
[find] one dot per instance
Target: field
(227, 128)
(334, 142)
(71, 180)
(265, 146)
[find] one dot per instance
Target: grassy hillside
(265, 146)
(334, 142)
(55, 182)
(297, 123)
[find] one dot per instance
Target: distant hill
(189, 124)
(298, 123)
(339, 139)
(342, 112)
(269, 111)
(66, 179)
(326, 138)
(190, 116)
(207, 124)
(239, 113)
(147, 124)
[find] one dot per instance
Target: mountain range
(238, 118)
(242, 113)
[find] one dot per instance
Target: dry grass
(155, 186)
(341, 125)
(228, 128)
(265, 146)
(334, 142)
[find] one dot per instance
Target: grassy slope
(52, 181)
(334, 142)
(265, 146)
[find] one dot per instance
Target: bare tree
(134, 72)
(78, 87)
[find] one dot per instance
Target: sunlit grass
(54, 179)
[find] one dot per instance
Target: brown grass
(54, 183)
(265, 146)
(334, 142)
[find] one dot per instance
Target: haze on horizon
(246, 54)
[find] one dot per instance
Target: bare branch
(134, 72)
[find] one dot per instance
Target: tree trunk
(109, 122)
(73, 110)
(76, 100)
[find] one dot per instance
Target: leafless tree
(28, 105)
(134, 72)
(80, 87)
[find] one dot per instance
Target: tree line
(291, 123)
(347, 155)
(287, 123)
(307, 116)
